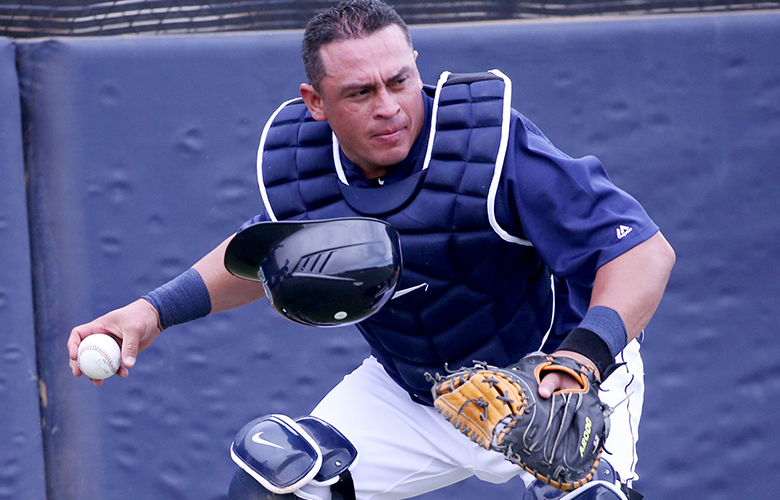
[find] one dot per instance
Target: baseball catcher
(559, 439)
(446, 227)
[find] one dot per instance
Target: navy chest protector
(469, 290)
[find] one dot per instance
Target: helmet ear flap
(330, 272)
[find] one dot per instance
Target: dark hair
(348, 20)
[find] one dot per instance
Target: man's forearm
(226, 290)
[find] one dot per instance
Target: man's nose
(386, 104)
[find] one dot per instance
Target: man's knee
(282, 459)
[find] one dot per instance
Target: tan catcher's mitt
(559, 440)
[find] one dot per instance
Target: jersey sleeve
(568, 208)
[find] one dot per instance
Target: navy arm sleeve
(576, 218)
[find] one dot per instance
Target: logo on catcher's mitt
(586, 435)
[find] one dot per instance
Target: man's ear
(313, 101)
(417, 71)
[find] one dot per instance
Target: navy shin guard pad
(604, 486)
(284, 455)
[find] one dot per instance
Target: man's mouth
(389, 134)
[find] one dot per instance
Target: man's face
(371, 97)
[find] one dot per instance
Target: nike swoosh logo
(401, 293)
(257, 439)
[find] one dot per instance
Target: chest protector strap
(292, 137)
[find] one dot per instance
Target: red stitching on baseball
(103, 353)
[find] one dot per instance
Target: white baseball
(99, 356)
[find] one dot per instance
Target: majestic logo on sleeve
(623, 231)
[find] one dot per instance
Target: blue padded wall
(21, 454)
(141, 156)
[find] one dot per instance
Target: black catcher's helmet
(330, 272)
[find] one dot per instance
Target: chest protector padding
(479, 297)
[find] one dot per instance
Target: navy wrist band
(607, 324)
(182, 299)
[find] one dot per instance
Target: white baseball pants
(407, 449)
